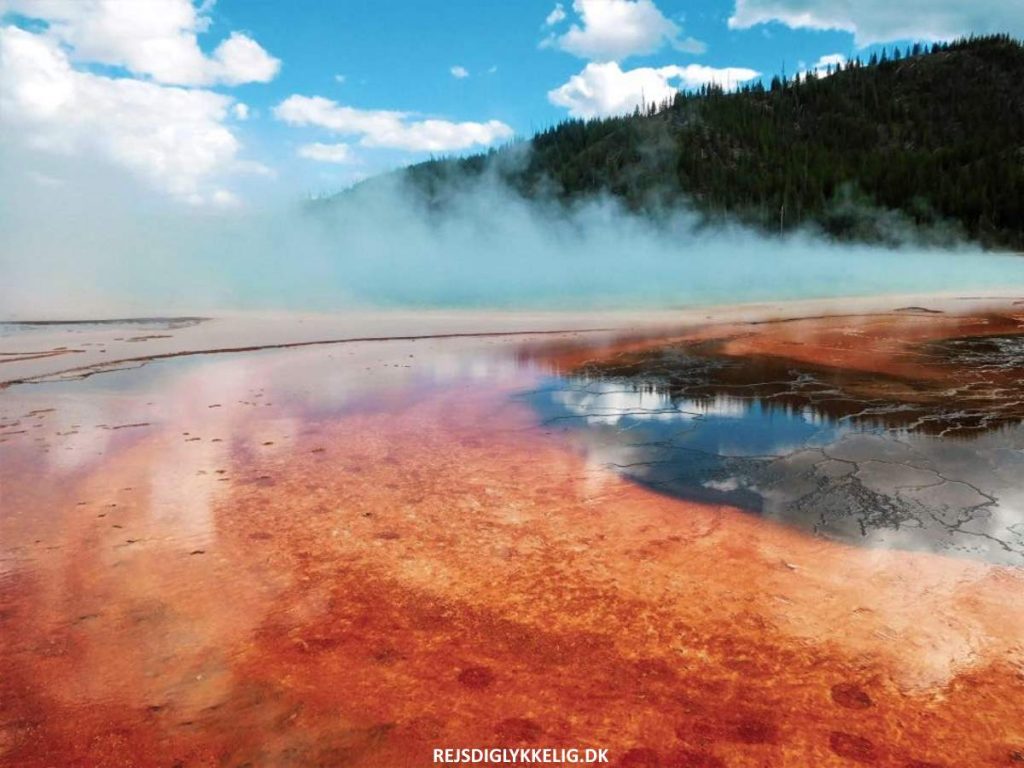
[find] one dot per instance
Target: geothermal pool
(764, 536)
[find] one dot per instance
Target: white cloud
(604, 89)
(326, 153)
(174, 138)
(829, 60)
(823, 67)
(240, 59)
(459, 72)
(155, 38)
(827, 63)
(612, 30)
(240, 111)
(340, 79)
(386, 128)
(876, 21)
(557, 14)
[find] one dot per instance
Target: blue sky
(398, 55)
(240, 101)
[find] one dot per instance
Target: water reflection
(350, 554)
(870, 459)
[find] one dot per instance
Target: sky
(235, 103)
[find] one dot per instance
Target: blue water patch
(694, 448)
(800, 448)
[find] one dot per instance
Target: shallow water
(806, 446)
(352, 554)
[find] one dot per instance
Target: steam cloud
(64, 254)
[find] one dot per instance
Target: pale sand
(42, 351)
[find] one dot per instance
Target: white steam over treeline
(64, 255)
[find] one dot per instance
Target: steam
(65, 254)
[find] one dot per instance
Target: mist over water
(66, 255)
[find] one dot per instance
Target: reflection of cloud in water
(181, 500)
(84, 440)
(609, 403)
(865, 484)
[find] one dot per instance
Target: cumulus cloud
(612, 30)
(174, 138)
(326, 153)
(459, 72)
(157, 39)
(387, 128)
(877, 21)
(605, 89)
(240, 59)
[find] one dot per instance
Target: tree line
(930, 137)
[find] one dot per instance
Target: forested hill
(931, 137)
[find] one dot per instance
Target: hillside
(927, 139)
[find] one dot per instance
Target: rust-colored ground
(434, 570)
(895, 357)
(889, 343)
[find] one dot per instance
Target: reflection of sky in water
(791, 463)
(727, 426)
(864, 484)
(250, 394)
(331, 374)
(687, 447)
(195, 416)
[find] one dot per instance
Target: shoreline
(42, 352)
(371, 549)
